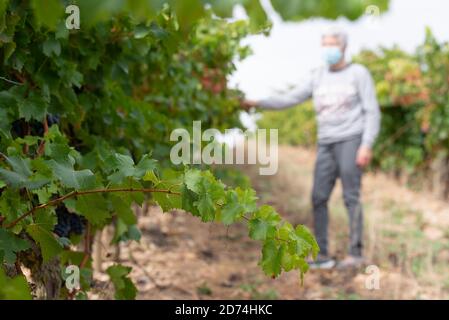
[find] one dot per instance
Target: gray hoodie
(345, 103)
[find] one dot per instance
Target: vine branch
(72, 194)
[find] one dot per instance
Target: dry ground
(406, 237)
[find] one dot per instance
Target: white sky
(292, 49)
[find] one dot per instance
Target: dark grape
(76, 224)
(52, 119)
(68, 223)
(37, 128)
(18, 128)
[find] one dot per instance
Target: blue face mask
(332, 55)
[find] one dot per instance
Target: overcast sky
(292, 49)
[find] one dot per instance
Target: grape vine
(85, 118)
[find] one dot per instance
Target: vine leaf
(49, 245)
(123, 167)
(122, 206)
(48, 14)
(232, 209)
(192, 179)
(124, 287)
(271, 258)
(93, 206)
(303, 233)
(14, 288)
(10, 244)
(51, 46)
(263, 223)
(32, 107)
(19, 176)
(170, 180)
(77, 179)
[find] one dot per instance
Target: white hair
(336, 32)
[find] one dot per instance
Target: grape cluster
(68, 223)
(22, 128)
(52, 119)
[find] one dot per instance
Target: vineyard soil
(406, 236)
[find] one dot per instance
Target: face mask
(332, 55)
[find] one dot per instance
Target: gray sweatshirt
(345, 103)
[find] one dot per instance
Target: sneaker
(351, 262)
(322, 262)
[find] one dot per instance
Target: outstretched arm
(297, 95)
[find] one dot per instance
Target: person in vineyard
(348, 119)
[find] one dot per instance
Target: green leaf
(12, 204)
(122, 206)
(3, 6)
(70, 178)
(122, 165)
(296, 10)
(126, 233)
(61, 31)
(14, 288)
(133, 233)
(47, 13)
(21, 173)
(188, 12)
(257, 15)
(192, 179)
(151, 176)
(51, 46)
(232, 210)
(271, 258)
(119, 231)
(141, 31)
(49, 245)
(288, 260)
(263, 223)
(260, 229)
(33, 107)
(10, 244)
(19, 165)
(145, 164)
(94, 207)
(170, 180)
(71, 257)
(124, 287)
(167, 201)
(206, 207)
(247, 198)
(188, 200)
(222, 8)
(46, 218)
(304, 233)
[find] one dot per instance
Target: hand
(364, 155)
(248, 104)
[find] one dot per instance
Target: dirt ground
(406, 241)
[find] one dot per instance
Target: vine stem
(11, 81)
(72, 194)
